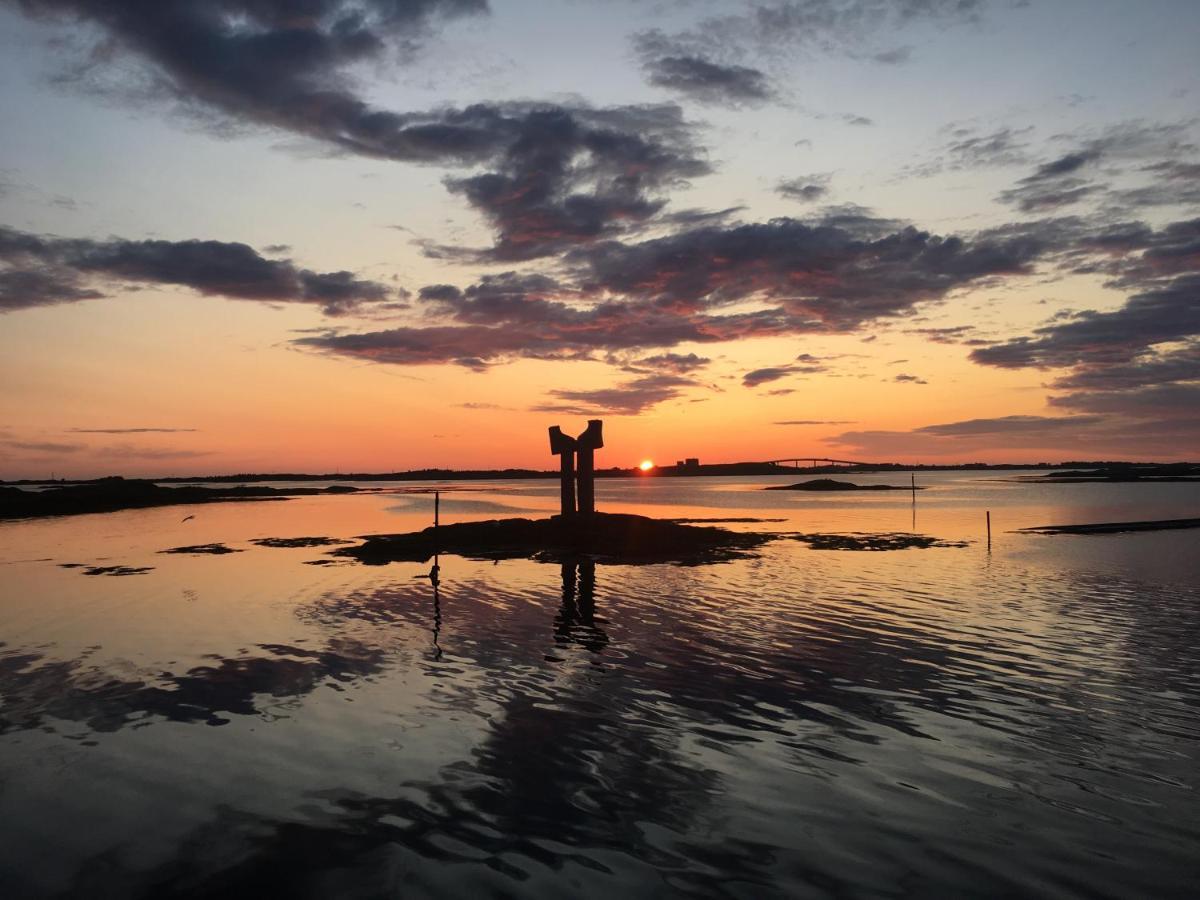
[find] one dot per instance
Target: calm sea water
(1019, 720)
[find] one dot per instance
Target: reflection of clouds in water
(633, 723)
(519, 823)
(450, 504)
(37, 689)
(566, 780)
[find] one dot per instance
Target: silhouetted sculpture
(563, 447)
(567, 449)
(587, 444)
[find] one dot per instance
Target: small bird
(186, 518)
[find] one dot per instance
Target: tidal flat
(951, 719)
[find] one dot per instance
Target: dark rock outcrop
(605, 537)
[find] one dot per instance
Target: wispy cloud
(130, 430)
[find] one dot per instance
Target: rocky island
(604, 537)
(829, 484)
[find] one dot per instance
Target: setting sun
(646, 465)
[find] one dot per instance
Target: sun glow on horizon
(646, 465)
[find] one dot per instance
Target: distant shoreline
(1106, 470)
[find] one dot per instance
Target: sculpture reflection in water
(576, 619)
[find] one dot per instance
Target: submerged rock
(298, 542)
(887, 541)
(210, 549)
(605, 537)
(118, 571)
(1114, 527)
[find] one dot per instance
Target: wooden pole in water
(989, 527)
(435, 574)
(914, 487)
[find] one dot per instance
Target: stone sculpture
(576, 466)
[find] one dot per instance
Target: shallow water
(1016, 720)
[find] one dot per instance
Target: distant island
(1121, 472)
(828, 484)
(112, 494)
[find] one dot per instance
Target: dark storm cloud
(1134, 141)
(509, 297)
(555, 175)
(1064, 165)
(708, 82)
(568, 333)
(1150, 437)
(1150, 400)
(1169, 312)
(766, 375)
(987, 435)
(1159, 148)
(572, 176)
(1041, 195)
(805, 364)
(676, 363)
(280, 63)
(672, 65)
(805, 188)
(1176, 183)
(968, 149)
(1150, 368)
(1140, 361)
(951, 334)
(694, 218)
(838, 26)
(717, 60)
(1007, 425)
(1159, 384)
(829, 275)
(627, 399)
(1159, 267)
(1174, 170)
(26, 288)
(1054, 184)
(42, 271)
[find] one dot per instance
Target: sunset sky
(373, 235)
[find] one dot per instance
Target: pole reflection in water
(435, 579)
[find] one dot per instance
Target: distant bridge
(813, 461)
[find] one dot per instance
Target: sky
(378, 235)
